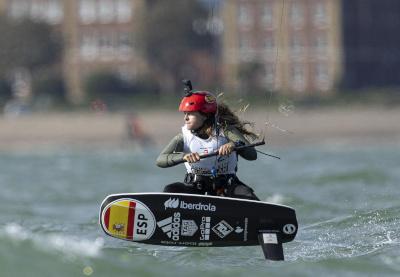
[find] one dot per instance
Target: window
(124, 45)
(106, 46)
(321, 44)
(322, 79)
(269, 43)
(245, 50)
(37, 10)
(269, 48)
(19, 9)
(50, 11)
(87, 11)
(296, 14)
(123, 10)
(296, 45)
(298, 78)
(244, 43)
(55, 12)
(244, 18)
(267, 17)
(89, 45)
(320, 18)
(105, 11)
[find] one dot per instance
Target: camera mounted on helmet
(188, 87)
(197, 101)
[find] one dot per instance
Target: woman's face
(194, 120)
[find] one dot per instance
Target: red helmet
(199, 101)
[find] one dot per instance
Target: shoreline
(356, 125)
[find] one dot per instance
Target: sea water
(346, 198)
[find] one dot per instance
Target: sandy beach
(316, 126)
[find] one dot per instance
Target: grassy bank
(386, 98)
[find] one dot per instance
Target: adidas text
(171, 226)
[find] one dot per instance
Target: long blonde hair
(227, 118)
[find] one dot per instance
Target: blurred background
(89, 92)
(126, 57)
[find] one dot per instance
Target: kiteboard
(177, 219)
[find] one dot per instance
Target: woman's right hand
(192, 157)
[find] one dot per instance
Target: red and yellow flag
(119, 219)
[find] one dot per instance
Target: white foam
(69, 245)
(75, 246)
(276, 199)
(15, 232)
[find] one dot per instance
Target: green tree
(250, 75)
(27, 45)
(106, 85)
(5, 90)
(167, 38)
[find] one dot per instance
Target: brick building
(304, 47)
(98, 34)
(297, 42)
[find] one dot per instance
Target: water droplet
(88, 270)
(286, 109)
(278, 128)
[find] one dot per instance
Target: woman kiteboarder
(209, 127)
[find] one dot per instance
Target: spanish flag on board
(119, 219)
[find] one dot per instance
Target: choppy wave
(349, 236)
(346, 202)
(67, 245)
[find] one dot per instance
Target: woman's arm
(171, 153)
(234, 135)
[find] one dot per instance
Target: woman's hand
(226, 149)
(192, 157)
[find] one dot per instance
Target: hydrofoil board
(198, 220)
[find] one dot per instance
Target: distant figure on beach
(99, 106)
(135, 130)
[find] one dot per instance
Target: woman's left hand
(226, 149)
